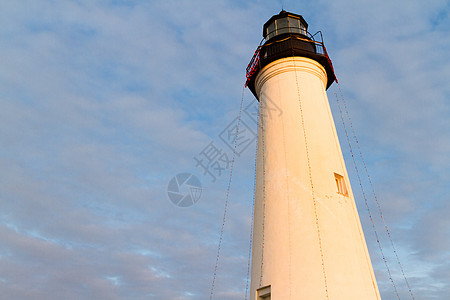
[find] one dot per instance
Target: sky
(103, 103)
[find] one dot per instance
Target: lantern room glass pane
(282, 26)
(294, 25)
(302, 28)
(271, 30)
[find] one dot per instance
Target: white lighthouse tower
(308, 242)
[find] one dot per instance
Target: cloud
(102, 103)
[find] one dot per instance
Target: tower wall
(294, 232)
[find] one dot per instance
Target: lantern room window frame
(285, 23)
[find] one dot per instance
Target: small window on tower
(263, 293)
(340, 183)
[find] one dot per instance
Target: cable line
(288, 200)
(365, 199)
(311, 181)
(373, 190)
(253, 217)
(227, 198)
(261, 117)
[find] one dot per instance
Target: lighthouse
(308, 242)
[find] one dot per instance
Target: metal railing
(320, 49)
(252, 66)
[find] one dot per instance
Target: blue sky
(103, 102)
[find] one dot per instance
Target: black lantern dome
(284, 23)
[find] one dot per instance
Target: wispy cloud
(103, 102)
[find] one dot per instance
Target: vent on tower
(263, 293)
(340, 183)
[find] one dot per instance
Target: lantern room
(286, 35)
(283, 23)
